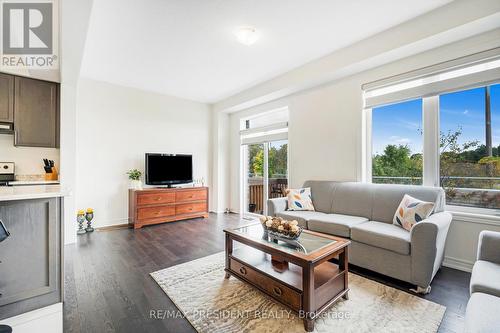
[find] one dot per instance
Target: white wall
(28, 159)
(219, 191)
(325, 133)
(115, 126)
(74, 23)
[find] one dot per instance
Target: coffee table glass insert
(306, 243)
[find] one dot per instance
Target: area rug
(212, 303)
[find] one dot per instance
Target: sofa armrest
(428, 239)
(276, 205)
(488, 247)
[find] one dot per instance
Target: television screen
(167, 169)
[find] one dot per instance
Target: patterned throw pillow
(300, 199)
(411, 211)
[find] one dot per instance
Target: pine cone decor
(281, 227)
(276, 224)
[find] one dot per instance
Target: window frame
(431, 152)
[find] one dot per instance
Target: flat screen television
(168, 169)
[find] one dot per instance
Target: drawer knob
(158, 198)
(277, 291)
(243, 270)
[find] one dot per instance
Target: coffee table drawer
(272, 287)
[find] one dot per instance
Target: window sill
(475, 215)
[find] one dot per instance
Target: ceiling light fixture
(246, 35)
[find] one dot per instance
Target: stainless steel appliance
(7, 173)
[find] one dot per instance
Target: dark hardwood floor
(108, 287)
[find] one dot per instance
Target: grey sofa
(364, 213)
(483, 310)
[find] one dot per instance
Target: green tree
(456, 159)
(397, 161)
(258, 163)
(277, 160)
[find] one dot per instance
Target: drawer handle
(158, 198)
(243, 270)
(277, 291)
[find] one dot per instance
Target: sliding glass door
(277, 169)
(254, 174)
(265, 174)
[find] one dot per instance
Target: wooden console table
(158, 205)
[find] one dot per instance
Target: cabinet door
(36, 113)
(30, 258)
(6, 98)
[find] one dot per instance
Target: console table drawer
(272, 287)
(188, 208)
(155, 198)
(191, 195)
(153, 212)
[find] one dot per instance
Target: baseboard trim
(460, 264)
(113, 227)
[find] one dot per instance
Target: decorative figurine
(89, 216)
(80, 218)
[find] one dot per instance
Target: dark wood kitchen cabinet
(36, 113)
(6, 98)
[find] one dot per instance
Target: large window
(397, 143)
(456, 136)
(469, 142)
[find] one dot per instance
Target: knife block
(52, 175)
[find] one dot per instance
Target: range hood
(6, 128)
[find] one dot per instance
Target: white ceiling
(186, 48)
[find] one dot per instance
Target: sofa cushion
(321, 193)
(389, 196)
(335, 224)
(411, 211)
(485, 278)
(351, 198)
(383, 235)
(482, 313)
(301, 216)
(299, 199)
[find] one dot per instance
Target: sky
(402, 123)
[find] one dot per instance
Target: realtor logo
(27, 28)
(29, 35)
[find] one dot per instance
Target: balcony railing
(483, 192)
(276, 189)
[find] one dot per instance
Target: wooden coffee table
(300, 276)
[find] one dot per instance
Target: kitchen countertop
(32, 182)
(9, 193)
